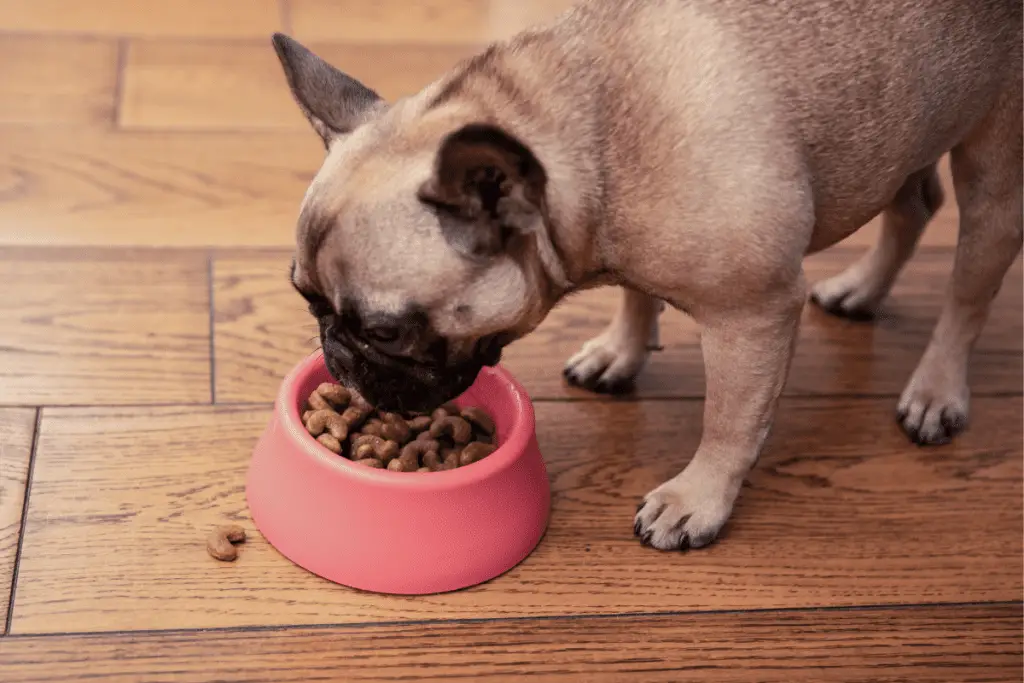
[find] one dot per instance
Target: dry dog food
(449, 437)
(221, 542)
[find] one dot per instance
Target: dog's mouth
(403, 384)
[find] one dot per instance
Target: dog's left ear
(487, 186)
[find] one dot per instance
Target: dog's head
(417, 241)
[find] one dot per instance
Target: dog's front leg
(747, 353)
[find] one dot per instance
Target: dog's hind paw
(849, 295)
(607, 365)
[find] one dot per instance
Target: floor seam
(212, 326)
(122, 63)
(284, 15)
(33, 448)
(517, 619)
(555, 399)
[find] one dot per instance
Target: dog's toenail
(681, 523)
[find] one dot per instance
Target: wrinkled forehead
(369, 241)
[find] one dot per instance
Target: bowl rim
(514, 447)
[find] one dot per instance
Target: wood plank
(92, 187)
(425, 21)
(48, 80)
(936, 644)
(79, 327)
(152, 189)
(262, 329)
(191, 18)
(122, 500)
(17, 426)
(229, 86)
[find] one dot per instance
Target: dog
(691, 152)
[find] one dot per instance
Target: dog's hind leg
(860, 289)
(988, 178)
(610, 362)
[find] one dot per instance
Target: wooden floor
(151, 166)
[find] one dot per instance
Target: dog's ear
(488, 188)
(333, 102)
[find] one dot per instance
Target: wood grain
(17, 426)
(103, 327)
(48, 81)
(260, 327)
(152, 189)
(230, 86)
(424, 21)
(188, 18)
(155, 189)
(263, 328)
(934, 644)
(208, 151)
(842, 510)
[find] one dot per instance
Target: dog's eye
(384, 334)
(320, 308)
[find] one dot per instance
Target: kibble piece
(330, 421)
(370, 462)
(474, 452)
(432, 461)
(335, 394)
(424, 469)
(358, 439)
(221, 542)
(480, 420)
(357, 412)
(451, 460)
(330, 443)
(447, 410)
(318, 402)
(373, 426)
(460, 430)
(395, 428)
(420, 423)
(397, 465)
(368, 446)
(413, 450)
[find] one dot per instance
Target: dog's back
(855, 95)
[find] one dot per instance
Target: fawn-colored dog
(691, 151)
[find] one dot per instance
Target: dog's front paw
(608, 364)
(934, 406)
(852, 294)
(685, 512)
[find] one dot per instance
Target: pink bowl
(400, 532)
